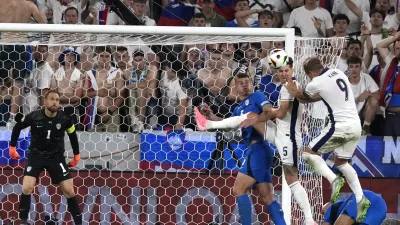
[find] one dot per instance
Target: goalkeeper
(344, 212)
(46, 151)
(256, 167)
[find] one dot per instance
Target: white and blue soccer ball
(277, 58)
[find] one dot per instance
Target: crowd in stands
(131, 88)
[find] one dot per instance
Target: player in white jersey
(342, 134)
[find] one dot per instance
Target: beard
(52, 109)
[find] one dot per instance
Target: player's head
(286, 72)
(52, 101)
(243, 84)
(266, 19)
(313, 67)
(354, 66)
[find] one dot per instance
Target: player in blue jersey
(344, 212)
(256, 167)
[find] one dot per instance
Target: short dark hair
(354, 60)
(248, 2)
(216, 51)
(374, 11)
(72, 8)
(122, 49)
(290, 62)
(265, 13)
(353, 41)
(312, 64)
(101, 49)
(242, 75)
(341, 17)
(51, 91)
(199, 15)
(255, 45)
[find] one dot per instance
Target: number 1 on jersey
(48, 134)
(343, 87)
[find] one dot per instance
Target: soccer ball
(277, 58)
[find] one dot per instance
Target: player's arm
(73, 138)
(21, 124)
(36, 14)
(308, 95)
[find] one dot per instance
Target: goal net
(142, 160)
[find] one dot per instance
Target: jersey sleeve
(260, 99)
(371, 84)
(327, 216)
(285, 95)
(70, 127)
(312, 89)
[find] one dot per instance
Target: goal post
(119, 152)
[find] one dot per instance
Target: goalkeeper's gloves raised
(13, 152)
(75, 161)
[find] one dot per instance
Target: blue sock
(244, 206)
(276, 212)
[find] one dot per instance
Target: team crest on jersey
(246, 102)
(58, 126)
(28, 169)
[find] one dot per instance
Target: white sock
(231, 122)
(319, 165)
(301, 197)
(352, 179)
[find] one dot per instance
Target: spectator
(142, 82)
(355, 21)
(101, 14)
(194, 63)
(310, 12)
(121, 57)
(391, 19)
(265, 18)
(39, 79)
(242, 5)
(213, 19)
(390, 85)
(341, 25)
(253, 59)
(56, 9)
(174, 101)
(288, 7)
(104, 84)
(71, 15)
(177, 13)
(67, 80)
(274, 6)
(199, 20)
(228, 54)
(354, 48)
(139, 10)
(366, 92)
(214, 76)
(224, 8)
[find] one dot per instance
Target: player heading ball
(46, 151)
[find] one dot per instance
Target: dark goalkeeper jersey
(47, 134)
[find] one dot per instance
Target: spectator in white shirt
(339, 6)
(139, 10)
(274, 6)
(71, 15)
(58, 7)
(308, 15)
(365, 90)
(341, 24)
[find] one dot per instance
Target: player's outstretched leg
(204, 124)
(319, 165)
(352, 179)
(28, 184)
(73, 205)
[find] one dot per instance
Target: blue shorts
(258, 160)
(376, 212)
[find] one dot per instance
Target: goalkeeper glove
(75, 161)
(13, 152)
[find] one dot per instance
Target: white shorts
(287, 150)
(341, 137)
